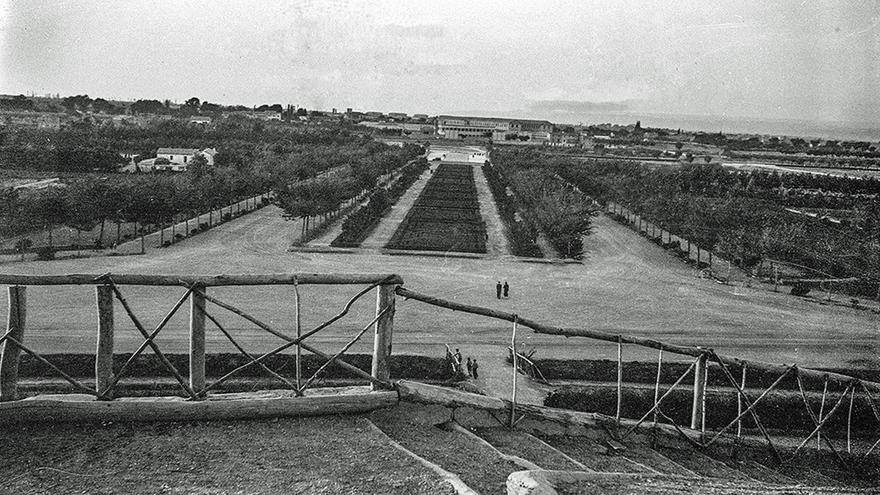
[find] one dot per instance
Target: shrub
(227, 217)
(45, 253)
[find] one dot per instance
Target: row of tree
(147, 200)
(325, 194)
(552, 206)
(743, 215)
(358, 226)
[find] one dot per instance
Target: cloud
(430, 31)
(577, 107)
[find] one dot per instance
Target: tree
(49, 209)
(193, 103)
(198, 167)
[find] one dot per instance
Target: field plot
(446, 216)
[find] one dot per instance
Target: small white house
(179, 158)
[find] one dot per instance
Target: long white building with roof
(499, 130)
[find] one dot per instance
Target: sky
(807, 60)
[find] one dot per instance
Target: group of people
(471, 365)
(502, 290)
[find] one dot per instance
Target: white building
(498, 130)
(179, 158)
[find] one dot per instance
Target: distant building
(397, 115)
(33, 120)
(374, 115)
(179, 158)
(564, 140)
(200, 120)
(419, 116)
(498, 130)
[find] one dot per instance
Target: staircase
(539, 459)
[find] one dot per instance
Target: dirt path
(389, 223)
(335, 228)
(496, 244)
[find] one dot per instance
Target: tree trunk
(161, 235)
(186, 225)
(78, 235)
(101, 234)
(50, 236)
(118, 233)
(210, 217)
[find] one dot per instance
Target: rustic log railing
(195, 386)
(702, 357)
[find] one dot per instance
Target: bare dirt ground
(319, 455)
(626, 285)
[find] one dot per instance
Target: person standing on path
(498, 289)
(474, 367)
(470, 367)
(506, 289)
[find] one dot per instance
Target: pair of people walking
(502, 290)
(472, 367)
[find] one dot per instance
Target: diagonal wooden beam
(342, 351)
(149, 339)
(816, 419)
(750, 405)
(246, 353)
(823, 421)
(76, 384)
(658, 401)
(290, 340)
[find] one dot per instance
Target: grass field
(626, 285)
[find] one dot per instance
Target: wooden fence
(698, 369)
(196, 388)
(108, 289)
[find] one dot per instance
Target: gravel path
(496, 244)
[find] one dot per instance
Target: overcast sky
(812, 60)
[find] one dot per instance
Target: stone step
(654, 484)
(806, 476)
(702, 464)
(593, 455)
(762, 473)
(479, 466)
(522, 444)
(646, 456)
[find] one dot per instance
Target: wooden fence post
(298, 321)
(104, 351)
(382, 342)
(197, 339)
(9, 354)
(619, 379)
(698, 421)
